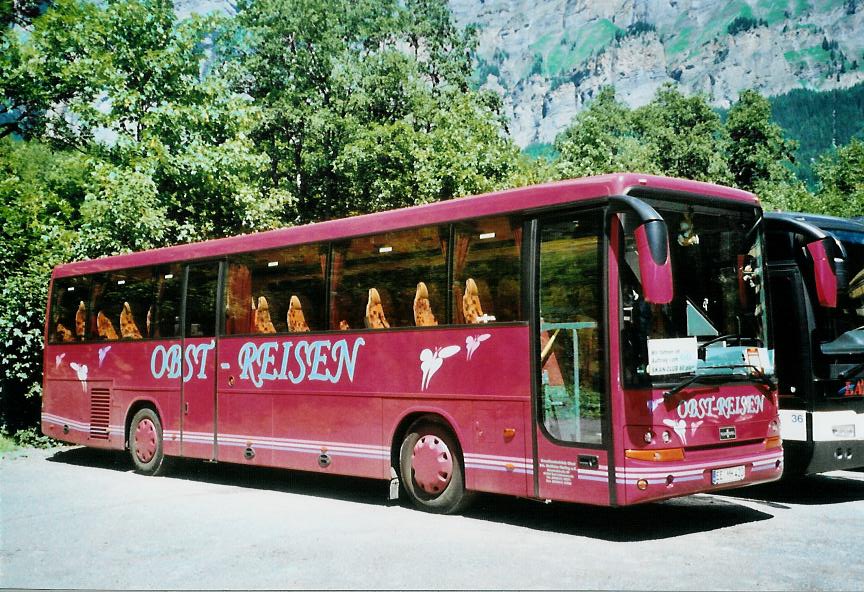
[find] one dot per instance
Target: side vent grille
(100, 411)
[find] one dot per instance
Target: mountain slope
(548, 57)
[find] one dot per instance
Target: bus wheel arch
(145, 438)
(430, 463)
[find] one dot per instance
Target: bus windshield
(850, 307)
(716, 323)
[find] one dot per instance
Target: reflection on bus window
(571, 323)
(201, 286)
(276, 291)
(486, 271)
(719, 291)
(380, 274)
(163, 321)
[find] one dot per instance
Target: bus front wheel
(145, 442)
(431, 469)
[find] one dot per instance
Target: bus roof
(828, 223)
(499, 202)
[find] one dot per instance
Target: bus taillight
(662, 454)
(773, 442)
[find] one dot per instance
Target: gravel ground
(79, 518)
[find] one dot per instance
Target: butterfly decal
(679, 427)
(81, 372)
(695, 426)
(431, 361)
(654, 404)
(58, 359)
(472, 343)
(103, 351)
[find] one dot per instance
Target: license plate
(727, 475)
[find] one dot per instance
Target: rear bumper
(819, 457)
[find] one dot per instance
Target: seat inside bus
(471, 308)
(105, 328)
(128, 327)
(263, 324)
(375, 318)
(296, 319)
(423, 316)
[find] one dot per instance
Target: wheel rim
(432, 463)
(145, 440)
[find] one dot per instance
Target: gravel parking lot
(79, 518)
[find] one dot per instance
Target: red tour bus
(550, 342)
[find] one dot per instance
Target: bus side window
(393, 264)
(125, 303)
(275, 279)
(202, 280)
(69, 310)
(163, 320)
(487, 252)
(104, 312)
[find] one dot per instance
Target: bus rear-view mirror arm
(652, 244)
(822, 249)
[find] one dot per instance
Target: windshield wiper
(759, 376)
(850, 372)
(688, 381)
(703, 346)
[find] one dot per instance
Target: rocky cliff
(547, 58)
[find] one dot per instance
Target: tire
(430, 467)
(145, 443)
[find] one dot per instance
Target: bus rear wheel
(145, 442)
(431, 468)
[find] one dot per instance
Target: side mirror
(824, 272)
(822, 249)
(652, 242)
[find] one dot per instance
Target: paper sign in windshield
(672, 356)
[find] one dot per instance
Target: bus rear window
(69, 310)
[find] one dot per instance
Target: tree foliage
(672, 135)
(352, 122)
(758, 152)
(135, 129)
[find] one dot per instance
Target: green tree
(604, 138)
(40, 190)
(53, 65)
(335, 87)
(758, 152)
(144, 151)
(840, 177)
(687, 134)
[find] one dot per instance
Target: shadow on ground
(813, 490)
(655, 521)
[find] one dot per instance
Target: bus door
(200, 324)
(571, 432)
